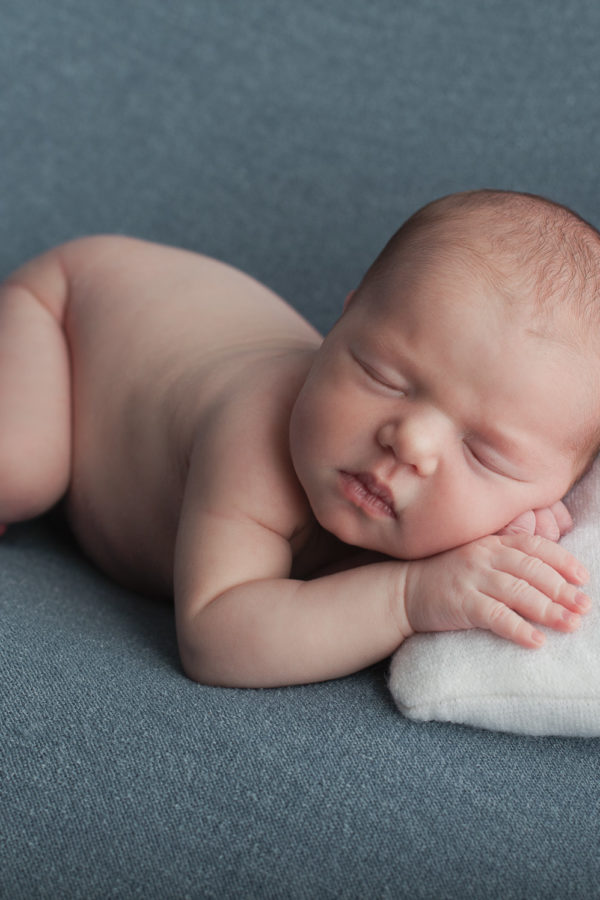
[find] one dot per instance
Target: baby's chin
(404, 548)
(419, 546)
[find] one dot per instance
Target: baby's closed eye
(390, 382)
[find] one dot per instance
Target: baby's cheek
(316, 421)
(305, 439)
(440, 526)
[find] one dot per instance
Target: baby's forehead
(544, 335)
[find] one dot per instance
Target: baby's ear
(348, 300)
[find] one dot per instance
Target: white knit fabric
(476, 678)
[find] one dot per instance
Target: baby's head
(460, 386)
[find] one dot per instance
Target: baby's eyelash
(474, 455)
(379, 379)
(482, 461)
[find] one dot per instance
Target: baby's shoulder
(239, 461)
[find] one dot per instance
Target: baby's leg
(35, 406)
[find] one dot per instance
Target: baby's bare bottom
(35, 406)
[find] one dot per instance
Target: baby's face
(434, 414)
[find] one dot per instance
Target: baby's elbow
(205, 672)
(198, 674)
(198, 671)
(196, 661)
(203, 661)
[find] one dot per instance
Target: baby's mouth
(364, 490)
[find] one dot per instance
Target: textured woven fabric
(290, 139)
(476, 678)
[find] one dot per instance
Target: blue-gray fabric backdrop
(289, 139)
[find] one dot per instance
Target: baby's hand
(551, 522)
(498, 583)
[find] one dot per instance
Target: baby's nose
(416, 440)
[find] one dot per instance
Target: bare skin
(153, 390)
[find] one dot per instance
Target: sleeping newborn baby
(311, 503)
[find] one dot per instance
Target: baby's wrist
(400, 593)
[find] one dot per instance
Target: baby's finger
(561, 613)
(526, 523)
(498, 618)
(563, 517)
(554, 555)
(519, 569)
(546, 524)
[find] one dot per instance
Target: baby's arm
(242, 621)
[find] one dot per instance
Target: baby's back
(159, 338)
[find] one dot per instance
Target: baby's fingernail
(571, 619)
(582, 601)
(582, 574)
(538, 637)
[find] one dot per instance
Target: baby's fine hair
(531, 248)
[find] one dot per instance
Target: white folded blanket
(476, 678)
